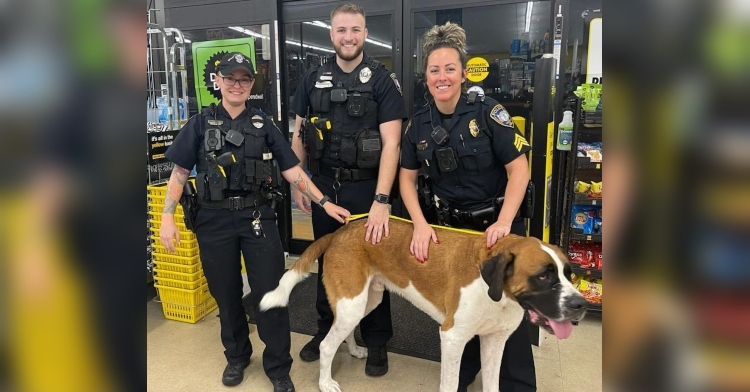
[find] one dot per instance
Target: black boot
(234, 373)
(283, 384)
(311, 351)
(377, 361)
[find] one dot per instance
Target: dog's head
(537, 276)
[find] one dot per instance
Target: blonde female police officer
(237, 151)
(474, 156)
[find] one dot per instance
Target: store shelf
(586, 237)
(585, 163)
(578, 270)
(592, 125)
(582, 199)
(594, 309)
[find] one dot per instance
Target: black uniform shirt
(188, 144)
(481, 156)
(385, 91)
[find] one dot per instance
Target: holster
(527, 205)
(312, 139)
(189, 203)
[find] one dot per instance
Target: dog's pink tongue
(562, 329)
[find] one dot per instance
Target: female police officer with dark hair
(237, 151)
(474, 156)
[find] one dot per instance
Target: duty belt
(235, 203)
(344, 174)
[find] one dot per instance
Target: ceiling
(488, 28)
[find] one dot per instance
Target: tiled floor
(189, 357)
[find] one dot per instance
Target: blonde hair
(348, 8)
(449, 35)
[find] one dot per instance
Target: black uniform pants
(222, 234)
(517, 370)
(376, 328)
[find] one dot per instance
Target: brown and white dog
(467, 288)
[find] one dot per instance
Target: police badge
(473, 128)
(365, 74)
(501, 116)
(257, 121)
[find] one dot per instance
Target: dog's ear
(494, 272)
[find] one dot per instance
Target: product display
(583, 229)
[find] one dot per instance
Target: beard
(345, 57)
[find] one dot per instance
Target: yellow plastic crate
(184, 235)
(185, 244)
(157, 208)
(161, 255)
(156, 224)
(157, 189)
(164, 266)
(179, 217)
(180, 284)
(178, 296)
(188, 314)
(191, 252)
(173, 275)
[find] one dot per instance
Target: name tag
(325, 84)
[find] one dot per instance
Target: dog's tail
(279, 297)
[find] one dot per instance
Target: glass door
(503, 40)
(307, 43)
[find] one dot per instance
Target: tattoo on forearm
(303, 186)
(174, 189)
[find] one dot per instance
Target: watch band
(324, 200)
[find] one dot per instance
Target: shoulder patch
(501, 116)
(395, 81)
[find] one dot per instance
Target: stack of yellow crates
(178, 276)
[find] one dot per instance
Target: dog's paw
(330, 386)
(358, 351)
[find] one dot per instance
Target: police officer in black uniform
(239, 153)
(474, 157)
(348, 129)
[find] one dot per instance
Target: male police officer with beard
(348, 129)
(238, 154)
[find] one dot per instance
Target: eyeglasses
(230, 81)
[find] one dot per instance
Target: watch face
(381, 198)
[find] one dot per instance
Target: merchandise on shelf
(584, 218)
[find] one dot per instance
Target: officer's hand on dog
(420, 241)
(377, 223)
(495, 232)
(336, 212)
(168, 232)
(302, 201)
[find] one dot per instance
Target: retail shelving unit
(587, 128)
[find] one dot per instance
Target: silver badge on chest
(365, 74)
(257, 121)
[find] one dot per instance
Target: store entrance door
(306, 44)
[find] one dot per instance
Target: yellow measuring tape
(467, 231)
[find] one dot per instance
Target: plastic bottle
(565, 131)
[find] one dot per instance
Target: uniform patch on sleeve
(501, 116)
(519, 142)
(395, 81)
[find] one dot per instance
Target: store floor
(189, 357)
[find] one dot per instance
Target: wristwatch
(324, 200)
(381, 198)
